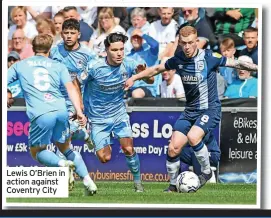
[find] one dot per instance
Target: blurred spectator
(139, 21)
(227, 49)
(120, 16)
(18, 16)
(147, 51)
(221, 85)
(85, 30)
(21, 45)
(58, 21)
(251, 41)
(56, 9)
(244, 87)
(144, 53)
(45, 26)
(34, 11)
(231, 23)
(164, 30)
(14, 87)
(152, 14)
(194, 17)
(106, 25)
(172, 86)
(87, 14)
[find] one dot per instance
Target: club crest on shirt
(124, 75)
(79, 64)
(200, 65)
(48, 97)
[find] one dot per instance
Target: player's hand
(128, 84)
(140, 68)
(10, 100)
(82, 119)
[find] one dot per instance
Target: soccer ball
(187, 181)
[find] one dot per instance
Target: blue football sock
(48, 158)
(80, 166)
(134, 165)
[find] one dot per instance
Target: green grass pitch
(122, 192)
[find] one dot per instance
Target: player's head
(244, 74)
(42, 44)
(114, 45)
(70, 33)
(227, 48)
(188, 38)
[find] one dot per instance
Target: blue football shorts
(50, 127)
(103, 132)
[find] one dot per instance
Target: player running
(105, 106)
(197, 69)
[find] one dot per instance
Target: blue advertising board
(151, 132)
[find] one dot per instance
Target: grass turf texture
(122, 192)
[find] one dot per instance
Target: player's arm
(75, 99)
(242, 65)
(149, 72)
(139, 69)
(76, 84)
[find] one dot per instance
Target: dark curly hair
(114, 37)
(71, 24)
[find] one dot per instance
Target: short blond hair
(18, 8)
(42, 43)
(187, 31)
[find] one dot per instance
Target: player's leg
(74, 156)
(177, 142)
(203, 125)
(122, 130)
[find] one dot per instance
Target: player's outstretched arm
(76, 84)
(140, 68)
(147, 73)
(74, 96)
(242, 65)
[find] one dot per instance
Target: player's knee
(138, 93)
(193, 138)
(105, 158)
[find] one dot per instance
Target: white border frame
(126, 3)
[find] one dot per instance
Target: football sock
(173, 166)
(80, 167)
(134, 166)
(202, 155)
(48, 158)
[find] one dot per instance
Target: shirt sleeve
(12, 74)
(171, 64)
(215, 60)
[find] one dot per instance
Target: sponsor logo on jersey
(190, 79)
